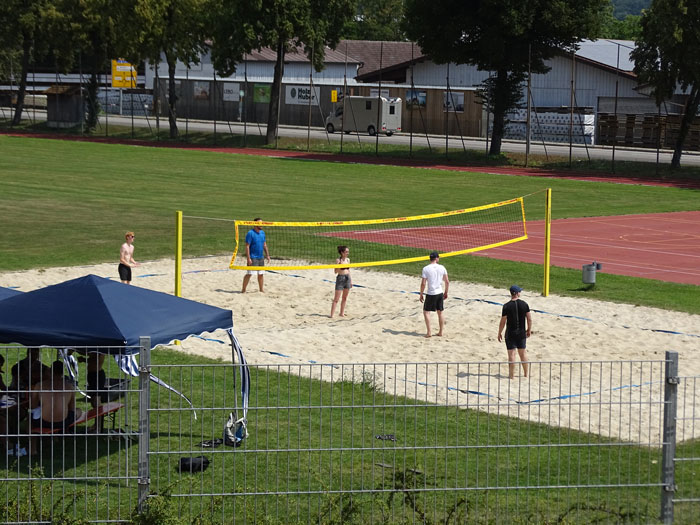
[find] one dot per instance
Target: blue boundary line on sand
(496, 303)
(533, 401)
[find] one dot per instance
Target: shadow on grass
(59, 455)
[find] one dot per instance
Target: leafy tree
(628, 28)
(623, 8)
(26, 33)
(96, 35)
(667, 57)
(376, 20)
(175, 29)
(8, 58)
(498, 36)
(241, 25)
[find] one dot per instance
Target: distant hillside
(622, 8)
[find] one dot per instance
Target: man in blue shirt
(256, 252)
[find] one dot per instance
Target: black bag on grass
(193, 464)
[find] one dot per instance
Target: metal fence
(685, 493)
(84, 472)
(576, 442)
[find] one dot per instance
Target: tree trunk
(500, 97)
(276, 91)
(172, 96)
(26, 56)
(93, 106)
(689, 112)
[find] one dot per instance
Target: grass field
(68, 203)
(456, 154)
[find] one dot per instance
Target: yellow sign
(123, 74)
(334, 95)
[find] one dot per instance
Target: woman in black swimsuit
(343, 282)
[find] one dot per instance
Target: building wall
(257, 71)
(432, 117)
(430, 74)
(552, 89)
(234, 100)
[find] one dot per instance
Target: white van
(362, 113)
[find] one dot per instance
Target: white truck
(370, 114)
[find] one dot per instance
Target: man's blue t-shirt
(256, 240)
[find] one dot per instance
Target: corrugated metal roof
(605, 52)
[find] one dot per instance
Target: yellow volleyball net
(378, 242)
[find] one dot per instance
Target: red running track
(663, 246)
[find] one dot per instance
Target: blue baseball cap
(515, 289)
(434, 255)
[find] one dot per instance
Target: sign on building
(373, 92)
(261, 93)
(200, 90)
(232, 92)
(123, 74)
(300, 95)
(415, 98)
(453, 101)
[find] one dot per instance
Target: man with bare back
(126, 258)
(55, 395)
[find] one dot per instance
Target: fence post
(668, 451)
(144, 427)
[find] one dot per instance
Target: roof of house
(63, 89)
(375, 55)
(396, 57)
(605, 52)
(296, 54)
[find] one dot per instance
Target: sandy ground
(595, 366)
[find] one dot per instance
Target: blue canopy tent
(94, 311)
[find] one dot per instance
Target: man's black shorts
(433, 302)
(124, 272)
(515, 342)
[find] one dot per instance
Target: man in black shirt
(516, 319)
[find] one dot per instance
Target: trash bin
(589, 272)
